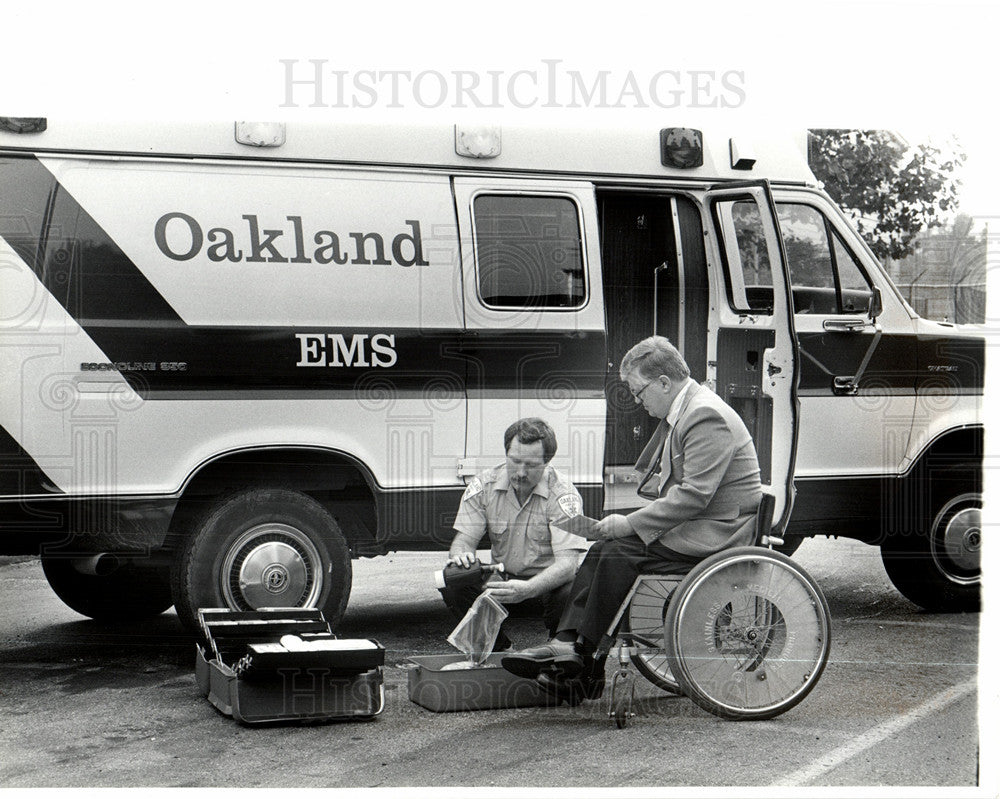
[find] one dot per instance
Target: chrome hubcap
(272, 565)
(958, 544)
(276, 577)
(963, 538)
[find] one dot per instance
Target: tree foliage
(892, 190)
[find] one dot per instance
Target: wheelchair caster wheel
(622, 695)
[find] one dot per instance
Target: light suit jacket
(709, 479)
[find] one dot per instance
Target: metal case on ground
(488, 687)
(243, 671)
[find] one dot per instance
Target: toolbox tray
(244, 673)
(487, 687)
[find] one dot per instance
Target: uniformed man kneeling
(516, 503)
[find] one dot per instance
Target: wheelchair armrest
(765, 517)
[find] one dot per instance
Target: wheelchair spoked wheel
(643, 624)
(747, 633)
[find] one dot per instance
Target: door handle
(845, 325)
(845, 386)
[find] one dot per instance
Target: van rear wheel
(133, 591)
(263, 548)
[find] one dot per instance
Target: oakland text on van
(225, 244)
(243, 303)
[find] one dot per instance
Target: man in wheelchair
(703, 480)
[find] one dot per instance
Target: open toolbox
(285, 664)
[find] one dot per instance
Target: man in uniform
(703, 480)
(516, 503)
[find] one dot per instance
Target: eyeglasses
(637, 395)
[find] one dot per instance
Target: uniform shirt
(522, 538)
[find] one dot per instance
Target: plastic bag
(476, 633)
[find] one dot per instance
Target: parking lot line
(922, 623)
(876, 735)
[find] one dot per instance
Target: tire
(131, 592)
(939, 569)
(643, 622)
(263, 548)
(747, 634)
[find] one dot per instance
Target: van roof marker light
(681, 148)
(260, 134)
(741, 155)
(477, 141)
(23, 124)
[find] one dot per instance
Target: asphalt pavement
(87, 705)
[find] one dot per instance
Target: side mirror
(875, 304)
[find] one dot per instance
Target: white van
(235, 357)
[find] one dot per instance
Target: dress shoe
(589, 684)
(529, 662)
(558, 689)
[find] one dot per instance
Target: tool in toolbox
(285, 664)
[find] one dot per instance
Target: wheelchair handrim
(687, 662)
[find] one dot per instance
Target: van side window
(742, 232)
(826, 278)
(529, 251)
(854, 289)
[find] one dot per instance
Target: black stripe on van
(902, 363)
(72, 255)
(20, 475)
(374, 363)
(27, 190)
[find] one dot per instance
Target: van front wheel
(263, 548)
(939, 568)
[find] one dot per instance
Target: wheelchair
(745, 634)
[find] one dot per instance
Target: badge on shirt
(474, 487)
(570, 504)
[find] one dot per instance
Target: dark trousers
(605, 577)
(550, 606)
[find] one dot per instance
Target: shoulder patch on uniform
(570, 504)
(475, 487)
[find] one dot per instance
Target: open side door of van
(756, 356)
